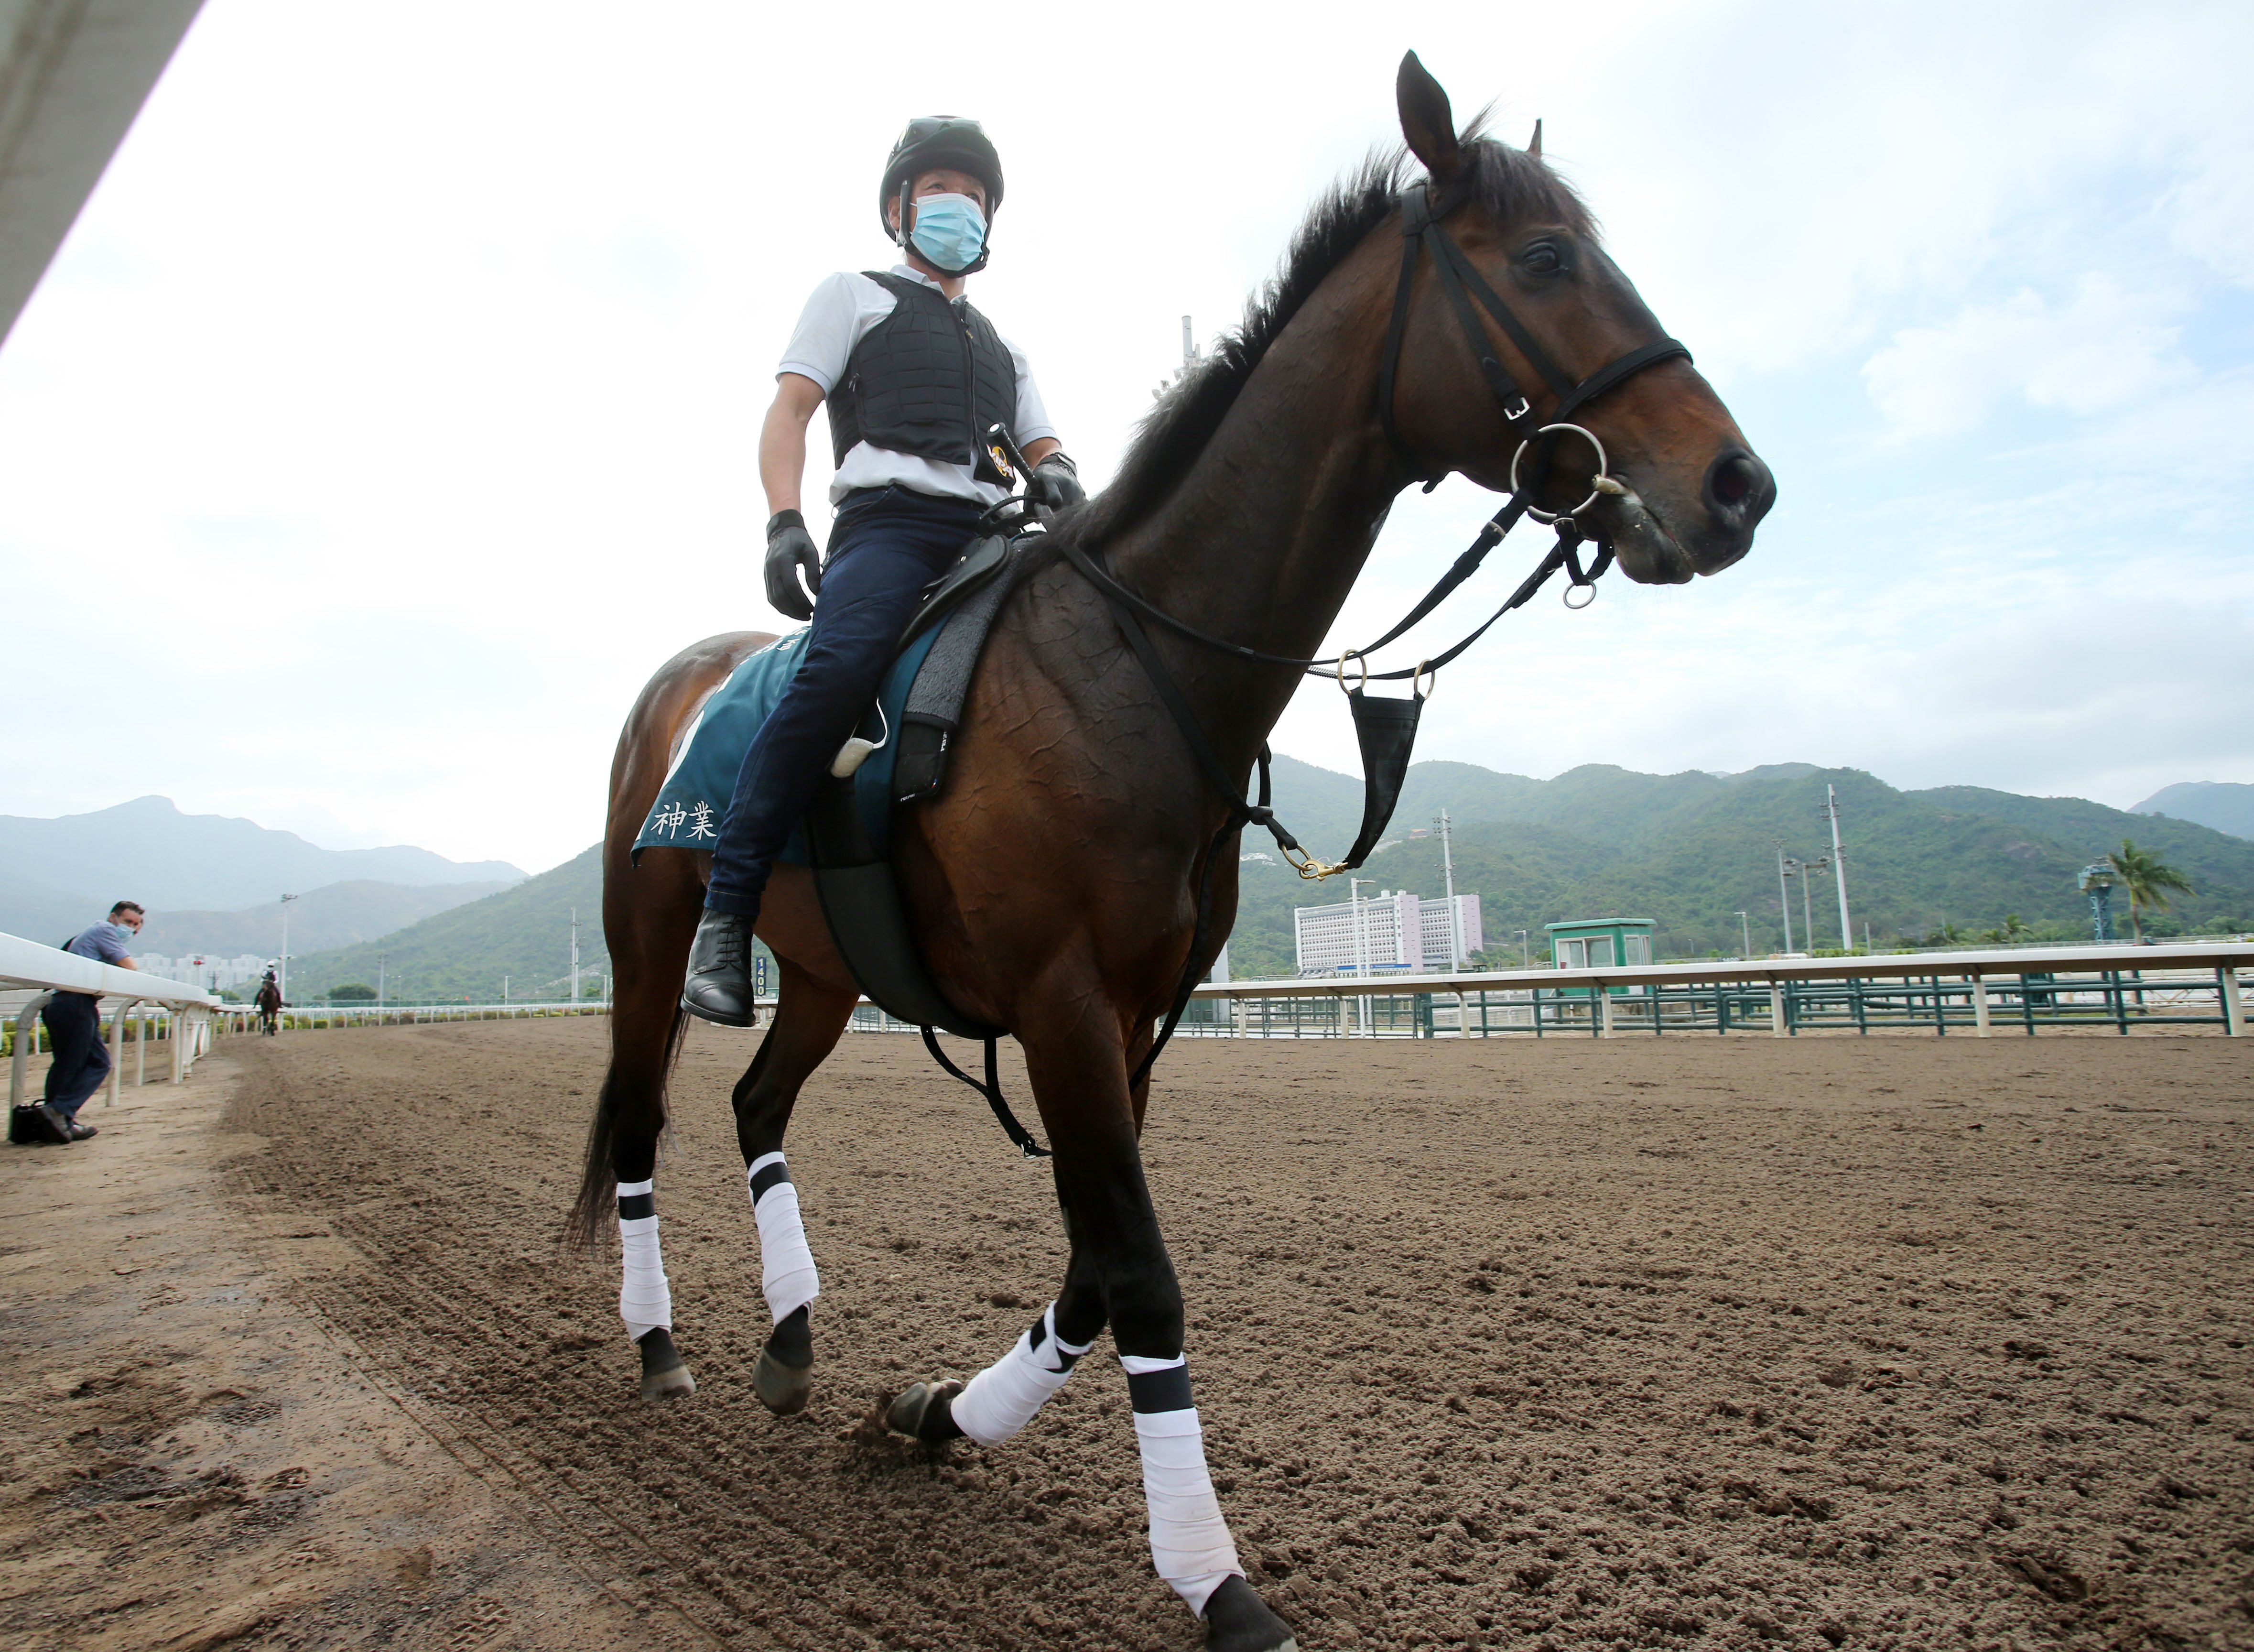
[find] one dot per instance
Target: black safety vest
(929, 379)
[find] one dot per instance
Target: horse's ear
(1426, 120)
(1534, 143)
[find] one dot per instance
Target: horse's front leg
(1119, 1273)
(810, 1016)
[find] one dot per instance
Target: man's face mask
(949, 231)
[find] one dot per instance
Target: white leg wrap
(1002, 1399)
(787, 1275)
(1190, 1544)
(645, 1302)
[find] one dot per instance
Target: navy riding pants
(80, 1065)
(886, 547)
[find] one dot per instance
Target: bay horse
(1053, 882)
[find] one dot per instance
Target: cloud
(2104, 349)
(403, 449)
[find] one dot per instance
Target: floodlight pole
(1839, 867)
(1455, 918)
(379, 983)
(1784, 893)
(1745, 929)
(1525, 952)
(283, 985)
(575, 955)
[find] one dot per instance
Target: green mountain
(523, 935)
(1689, 851)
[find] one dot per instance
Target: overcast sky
(388, 415)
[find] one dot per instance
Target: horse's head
(1684, 490)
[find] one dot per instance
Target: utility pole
(283, 985)
(1745, 929)
(1525, 952)
(575, 955)
(1189, 350)
(504, 989)
(1839, 867)
(1361, 948)
(1783, 894)
(1808, 870)
(379, 983)
(1455, 918)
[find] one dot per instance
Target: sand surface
(1681, 1342)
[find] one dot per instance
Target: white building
(1397, 931)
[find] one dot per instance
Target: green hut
(1599, 943)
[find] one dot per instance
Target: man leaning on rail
(913, 374)
(73, 1024)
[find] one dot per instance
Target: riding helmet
(933, 141)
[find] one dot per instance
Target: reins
(1386, 729)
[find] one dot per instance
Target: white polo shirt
(838, 317)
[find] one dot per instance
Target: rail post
(2234, 1010)
(27, 1033)
(179, 1046)
(1980, 1005)
(1776, 1027)
(1605, 1025)
(116, 1051)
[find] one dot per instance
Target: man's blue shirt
(104, 942)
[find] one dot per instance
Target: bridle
(1421, 231)
(1386, 729)
(1461, 280)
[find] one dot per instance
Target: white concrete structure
(48, 970)
(1399, 932)
(74, 74)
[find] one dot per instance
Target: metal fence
(2188, 986)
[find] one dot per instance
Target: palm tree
(2148, 881)
(2014, 926)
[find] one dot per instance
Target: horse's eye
(1542, 258)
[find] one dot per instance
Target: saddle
(860, 897)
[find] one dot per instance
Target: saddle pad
(689, 805)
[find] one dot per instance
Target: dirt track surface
(193, 1462)
(1893, 1342)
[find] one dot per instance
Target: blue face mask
(950, 231)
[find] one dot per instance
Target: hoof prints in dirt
(1639, 1344)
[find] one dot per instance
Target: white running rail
(47, 971)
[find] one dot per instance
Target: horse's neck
(1262, 542)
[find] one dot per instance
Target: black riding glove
(1055, 484)
(790, 551)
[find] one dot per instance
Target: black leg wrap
(783, 1379)
(792, 1342)
(922, 1412)
(1236, 1620)
(664, 1373)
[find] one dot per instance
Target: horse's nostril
(1734, 480)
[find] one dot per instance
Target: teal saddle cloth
(694, 796)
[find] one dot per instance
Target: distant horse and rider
(1421, 324)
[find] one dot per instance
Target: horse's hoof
(1236, 1620)
(921, 1413)
(664, 1373)
(782, 1388)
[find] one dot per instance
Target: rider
(270, 1003)
(913, 377)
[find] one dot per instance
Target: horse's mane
(1511, 184)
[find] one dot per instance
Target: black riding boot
(719, 984)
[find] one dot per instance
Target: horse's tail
(632, 1090)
